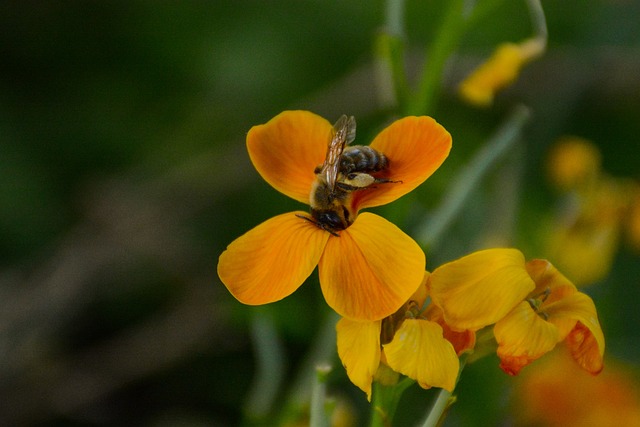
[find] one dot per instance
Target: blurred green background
(123, 175)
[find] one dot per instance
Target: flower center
(536, 302)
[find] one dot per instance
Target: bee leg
(348, 187)
(319, 225)
(386, 181)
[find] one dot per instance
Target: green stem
(538, 20)
(385, 401)
(438, 409)
(482, 9)
(394, 17)
(321, 353)
(390, 55)
(448, 36)
(444, 401)
(318, 416)
(433, 228)
(270, 368)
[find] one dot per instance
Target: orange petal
(371, 269)
(419, 351)
(545, 275)
(415, 147)
(481, 288)
(359, 351)
(272, 260)
(286, 150)
(586, 348)
(462, 341)
(422, 293)
(585, 338)
(523, 336)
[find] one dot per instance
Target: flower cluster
(531, 306)
(596, 210)
(395, 317)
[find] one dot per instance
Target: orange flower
(555, 311)
(368, 270)
(558, 393)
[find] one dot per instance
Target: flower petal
(573, 313)
(585, 339)
(587, 348)
(419, 351)
(499, 71)
(359, 351)
(415, 147)
(546, 276)
(286, 150)
(272, 260)
(371, 269)
(481, 288)
(523, 336)
(461, 340)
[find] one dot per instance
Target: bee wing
(344, 132)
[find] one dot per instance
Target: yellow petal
(286, 150)
(272, 260)
(359, 351)
(523, 336)
(415, 147)
(419, 351)
(585, 339)
(371, 269)
(481, 288)
(500, 70)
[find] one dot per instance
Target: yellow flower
(584, 242)
(500, 70)
(366, 271)
(573, 162)
(420, 351)
(409, 344)
(532, 305)
(553, 312)
(479, 289)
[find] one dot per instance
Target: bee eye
(352, 175)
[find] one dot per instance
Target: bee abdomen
(360, 158)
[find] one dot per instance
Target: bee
(345, 169)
